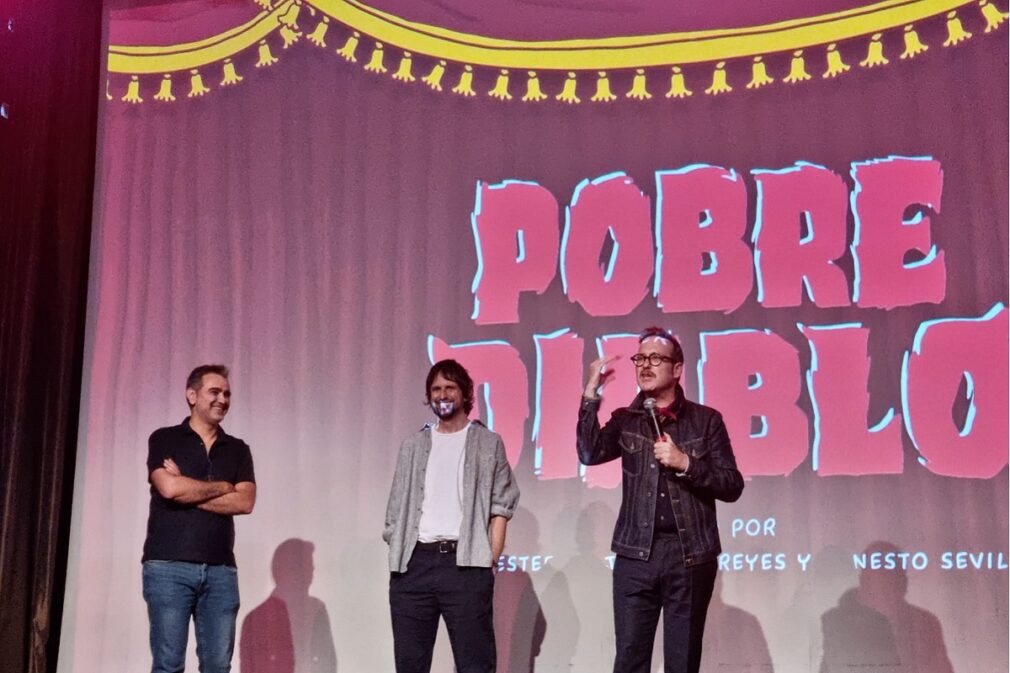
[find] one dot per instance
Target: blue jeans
(176, 591)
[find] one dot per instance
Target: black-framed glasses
(654, 359)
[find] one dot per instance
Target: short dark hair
(195, 379)
(455, 372)
(661, 333)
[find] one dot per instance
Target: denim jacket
(712, 474)
(489, 489)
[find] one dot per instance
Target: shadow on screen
(874, 627)
(734, 639)
(289, 632)
(578, 598)
(519, 622)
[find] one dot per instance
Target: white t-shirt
(442, 509)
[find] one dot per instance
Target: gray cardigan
(489, 489)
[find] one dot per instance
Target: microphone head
(649, 403)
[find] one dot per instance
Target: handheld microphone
(650, 408)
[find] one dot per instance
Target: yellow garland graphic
(398, 42)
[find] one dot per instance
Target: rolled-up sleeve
(504, 490)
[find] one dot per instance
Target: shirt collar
(221, 434)
(671, 410)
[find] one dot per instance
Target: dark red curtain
(49, 83)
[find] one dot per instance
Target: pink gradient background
(310, 227)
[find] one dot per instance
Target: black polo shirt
(177, 532)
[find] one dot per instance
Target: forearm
(496, 531)
(241, 501)
(595, 445)
(229, 504)
(188, 491)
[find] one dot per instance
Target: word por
(753, 527)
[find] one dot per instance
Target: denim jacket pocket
(695, 447)
(631, 452)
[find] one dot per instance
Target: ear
(191, 396)
(678, 369)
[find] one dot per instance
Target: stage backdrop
(328, 196)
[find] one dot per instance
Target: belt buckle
(446, 546)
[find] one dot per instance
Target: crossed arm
(219, 497)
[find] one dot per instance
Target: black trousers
(644, 588)
(435, 586)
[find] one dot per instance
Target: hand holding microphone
(665, 451)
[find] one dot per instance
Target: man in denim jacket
(453, 493)
(666, 539)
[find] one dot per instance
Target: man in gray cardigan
(452, 495)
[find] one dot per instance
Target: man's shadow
(874, 626)
(289, 632)
(734, 640)
(578, 598)
(519, 622)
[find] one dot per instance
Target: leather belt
(441, 546)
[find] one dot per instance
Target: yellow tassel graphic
(133, 91)
(375, 63)
(434, 78)
(797, 69)
(603, 92)
(955, 31)
(347, 51)
(318, 36)
(719, 82)
(290, 17)
(993, 17)
(403, 73)
(836, 66)
(265, 4)
(638, 90)
(289, 36)
(230, 76)
(501, 86)
(165, 90)
(265, 57)
(875, 54)
(678, 88)
(913, 45)
(196, 87)
(759, 74)
(465, 85)
(533, 91)
(568, 91)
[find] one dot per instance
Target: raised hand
(598, 375)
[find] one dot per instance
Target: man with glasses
(200, 478)
(677, 461)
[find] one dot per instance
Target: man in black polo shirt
(200, 478)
